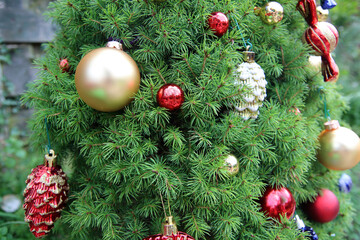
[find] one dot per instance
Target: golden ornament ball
(322, 14)
(339, 147)
(271, 13)
(107, 79)
(231, 165)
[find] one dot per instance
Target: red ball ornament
(45, 195)
(276, 202)
(219, 23)
(325, 208)
(170, 96)
(64, 65)
(170, 232)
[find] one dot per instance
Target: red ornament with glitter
(322, 37)
(218, 23)
(325, 208)
(170, 96)
(170, 232)
(45, 196)
(64, 65)
(276, 202)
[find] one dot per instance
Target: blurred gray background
(23, 28)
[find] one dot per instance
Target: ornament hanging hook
(162, 203)
(247, 44)
(50, 159)
(48, 147)
(323, 98)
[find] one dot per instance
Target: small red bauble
(325, 208)
(276, 202)
(45, 196)
(64, 65)
(219, 23)
(170, 96)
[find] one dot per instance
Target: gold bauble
(231, 165)
(339, 147)
(322, 14)
(271, 13)
(107, 79)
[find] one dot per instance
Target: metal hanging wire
(323, 98)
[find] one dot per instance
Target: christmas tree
(203, 138)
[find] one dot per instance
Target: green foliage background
(346, 16)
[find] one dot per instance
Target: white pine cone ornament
(45, 195)
(250, 75)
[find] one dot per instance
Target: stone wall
(23, 28)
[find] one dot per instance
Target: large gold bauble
(107, 79)
(231, 165)
(339, 147)
(271, 13)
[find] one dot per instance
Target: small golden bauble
(107, 79)
(322, 14)
(339, 147)
(315, 63)
(231, 165)
(271, 13)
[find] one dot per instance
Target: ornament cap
(114, 44)
(300, 223)
(249, 56)
(50, 159)
(169, 226)
(332, 125)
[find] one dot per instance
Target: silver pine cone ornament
(250, 77)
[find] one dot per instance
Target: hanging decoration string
(169, 204)
(162, 203)
(246, 43)
(48, 147)
(323, 98)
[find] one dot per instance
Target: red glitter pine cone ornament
(322, 37)
(45, 195)
(170, 232)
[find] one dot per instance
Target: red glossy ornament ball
(64, 65)
(276, 202)
(170, 96)
(219, 23)
(325, 208)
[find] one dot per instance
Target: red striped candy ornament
(322, 37)
(45, 195)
